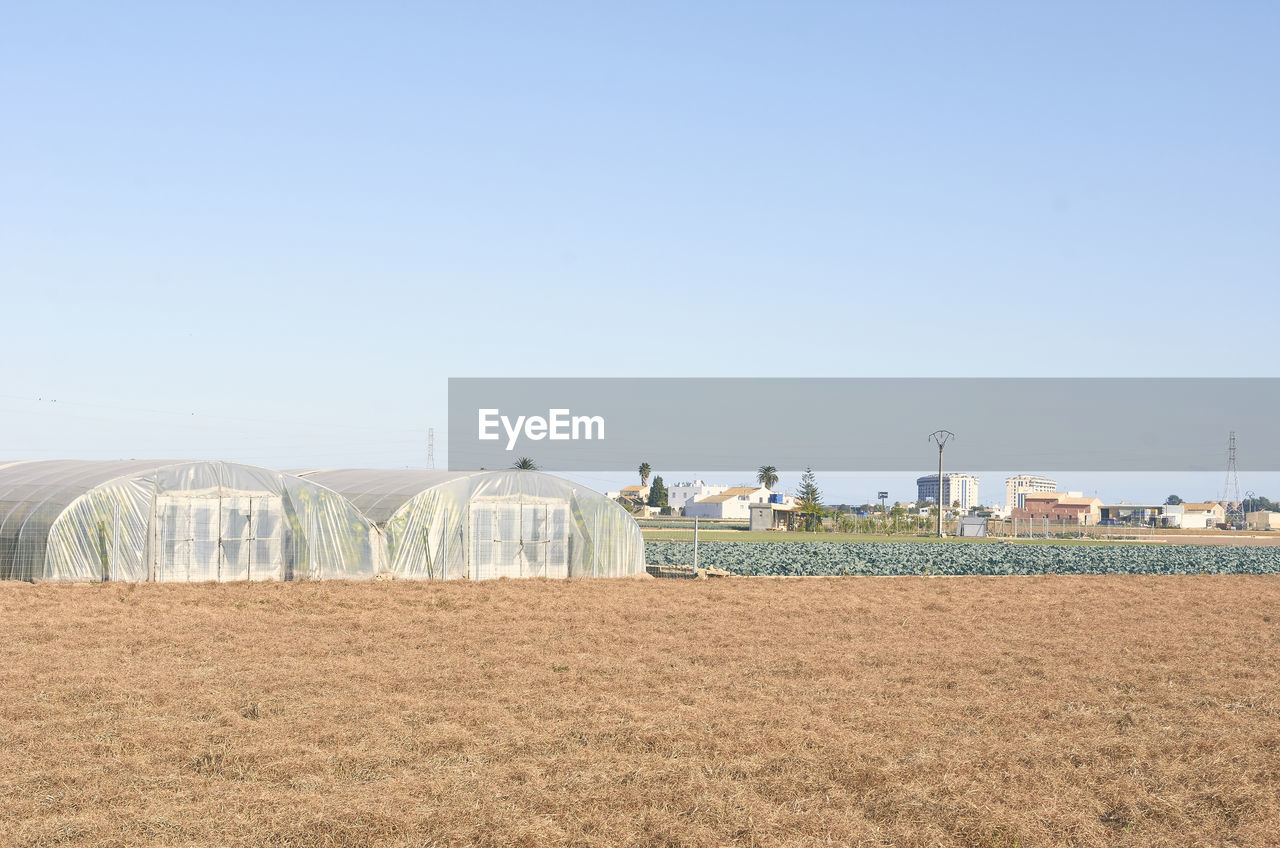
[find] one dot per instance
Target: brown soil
(906, 711)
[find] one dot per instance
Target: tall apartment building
(955, 487)
(1017, 488)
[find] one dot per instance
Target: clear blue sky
(271, 231)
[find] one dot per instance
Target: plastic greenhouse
(176, 521)
(487, 524)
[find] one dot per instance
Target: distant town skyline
(859, 488)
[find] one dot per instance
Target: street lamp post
(940, 438)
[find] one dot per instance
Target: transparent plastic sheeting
(178, 522)
(480, 525)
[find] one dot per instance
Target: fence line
(923, 525)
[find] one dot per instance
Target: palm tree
(525, 463)
(645, 471)
(767, 476)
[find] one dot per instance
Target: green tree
(809, 500)
(645, 471)
(767, 476)
(1172, 500)
(525, 463)
(658, 492)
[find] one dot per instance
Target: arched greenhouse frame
(480, 525)
(172, 521)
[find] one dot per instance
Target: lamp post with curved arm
(940, 438)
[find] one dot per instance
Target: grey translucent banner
(858, 424)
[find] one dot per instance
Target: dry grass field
(858, 711)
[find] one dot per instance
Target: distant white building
(1017, 488)
(682, 494)
(733, 502)
(1197, 516)
(955, 487)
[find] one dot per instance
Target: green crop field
(798, 559)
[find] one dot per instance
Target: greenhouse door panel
(533, 527)
(506, 544)
(482, 530)
(557, 556)
(235, 538)
(266, 539)
(251, 548)
(495, 540)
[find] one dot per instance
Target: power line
(55, 403)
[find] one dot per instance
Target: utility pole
(695, 546)
(1231, 489)
(940, 438)
(431, 448)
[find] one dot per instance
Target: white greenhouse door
(250, 538)
(186, 544)
(519, 540)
